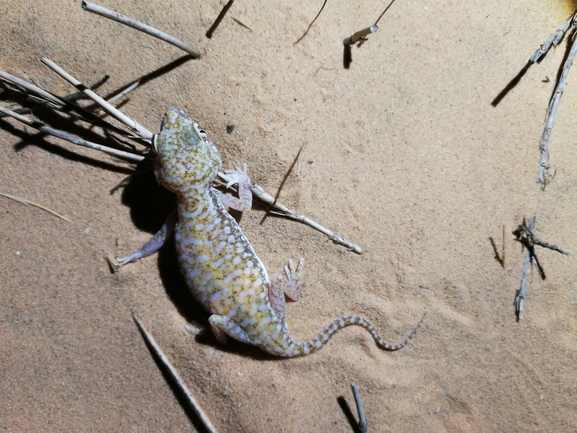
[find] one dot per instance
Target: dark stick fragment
(219, 18)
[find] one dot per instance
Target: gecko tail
(316, 343)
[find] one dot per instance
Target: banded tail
(322, 338)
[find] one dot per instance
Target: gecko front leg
(154, 244)
(243, 203)
(239, 177)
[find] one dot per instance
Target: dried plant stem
(522, 292)
(115, 16)
(194, 405)
(527, 238)
(48, 98)
(544, 177)
(69, 137)
(265, 197)
(363, 427)
(110, 109)
(384, 12)
(31, 203)
(549, 246)
(311, 24)
(553, 40)
(556, 37)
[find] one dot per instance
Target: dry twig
(311, 23)
(363, 427)
(527, 238)
(115, 16)
(31, 203)
(194, 405)
(110, 109)
(70, 137)
(283, 211)
(544, 177)
(521, 293)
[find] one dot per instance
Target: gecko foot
(289, 285)
(237, 176)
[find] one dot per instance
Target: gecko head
(186, 157)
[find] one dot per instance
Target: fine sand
(404, 156)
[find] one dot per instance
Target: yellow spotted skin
(218, 262)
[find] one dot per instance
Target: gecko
(219, 264)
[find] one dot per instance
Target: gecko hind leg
(289, 285)
(223, 327)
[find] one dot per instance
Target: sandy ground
(404, 156)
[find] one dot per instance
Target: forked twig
(194, 405)
(130, 22)
(544, 177)
(527, 238)
(554, 40)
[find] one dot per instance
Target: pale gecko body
(219, 264)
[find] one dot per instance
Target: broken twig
(360, 35)
(110, 109)
(363, 427)
(71, 138)
(123, 19)
(311, 23)
(527, 238)
(194, 405)
(544, 177)
(31, 203)
(286, 212)
(281, 210)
